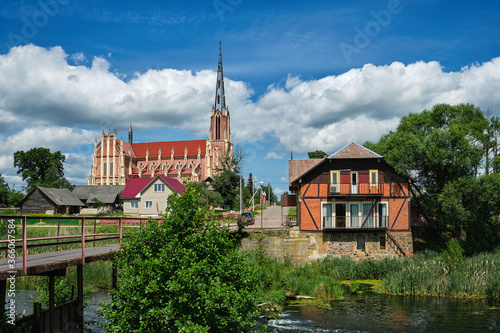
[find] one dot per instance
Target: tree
(471, 210)
(4, 191)
(316, 154)
(40, 167)
(445, 150)
(227, 181)
(184, 274)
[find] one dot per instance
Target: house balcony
(355, 223)
(359, 189)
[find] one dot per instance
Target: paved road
(274, 212)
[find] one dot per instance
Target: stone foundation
(304, 247)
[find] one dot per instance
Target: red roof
(166, 148)
(136, 185)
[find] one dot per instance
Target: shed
(43, 200)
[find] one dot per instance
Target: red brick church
(115, 161)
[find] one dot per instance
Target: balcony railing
(356, 189)
(355, 222)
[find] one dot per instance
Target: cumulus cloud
(274, 156)
(48, 98)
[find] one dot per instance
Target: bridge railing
(14, 242)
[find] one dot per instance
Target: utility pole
(241, 197)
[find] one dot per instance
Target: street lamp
(261, 188)
(207, 184)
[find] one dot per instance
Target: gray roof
(104, 193)
(61, 196)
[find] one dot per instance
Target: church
(115, 161)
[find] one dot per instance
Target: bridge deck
(40, 263)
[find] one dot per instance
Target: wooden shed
(43, 200)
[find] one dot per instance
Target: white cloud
(274, 156)
(46, 101)
(284, 179)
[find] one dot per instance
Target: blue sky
(299, 75)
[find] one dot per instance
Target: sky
(299, 76)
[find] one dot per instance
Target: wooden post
(3, 290)
(37, 310)
(25, 248)
(79, 282)
(52, 320)
(58, 233)
(120, 230)
(95, 229)
(83, 240)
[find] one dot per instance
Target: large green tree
(184, 274)
(445, 150)
(40, 167)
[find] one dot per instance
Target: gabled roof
(58, 196)
(137, 185)
(354, 150)
(104, 193)
(192, 146)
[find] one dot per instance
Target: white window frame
(376, 177)
(150, 204)
(160, 187)
(331, 203)
(134, 204)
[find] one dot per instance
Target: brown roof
(297, 168)
(355, 151)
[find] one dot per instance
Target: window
(149, 204)
(382, 243)
(373, 177)
(334, 181)
(159, 187)
(134, 204)
(167, 204)
(360, 246)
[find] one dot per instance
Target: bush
(183, 275)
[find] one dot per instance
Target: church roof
(137, 185)
(354, 151)
(192, 146)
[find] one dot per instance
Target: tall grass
(475, 277)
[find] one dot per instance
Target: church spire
(130, 134)
(220, 98)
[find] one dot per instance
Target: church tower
(219, 139)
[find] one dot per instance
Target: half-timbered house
(359, 203)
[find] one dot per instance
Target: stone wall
(302, 247)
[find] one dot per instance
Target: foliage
(316, 154)
(62, 291)
(9, 197)
(226, 183)
(453, 255)
(471, 209)
(183, 275)
(40, 167)
(477, 278)
(444, 150)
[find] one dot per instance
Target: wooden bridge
(19, 262)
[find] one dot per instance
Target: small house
(95, 195)
(149, 196)
(43, 200)
(357, 202)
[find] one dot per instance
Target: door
(354, 183)
(382, 215)
(355, 215)
(327, 215)
(367, 215)
(340, 215)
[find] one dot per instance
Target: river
(365, 311)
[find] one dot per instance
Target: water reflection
(370, 312)
(361, 312)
